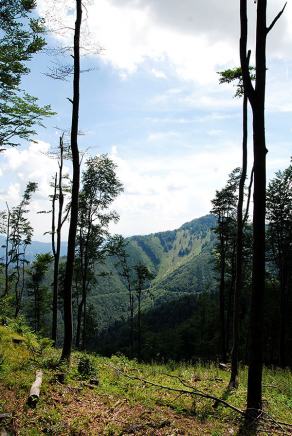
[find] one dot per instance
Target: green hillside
(179, 259)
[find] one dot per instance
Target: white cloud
(195, 38)
(162, 136)
(162, 194)
(158, 73)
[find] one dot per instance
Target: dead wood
(190, 391)
(35, 389)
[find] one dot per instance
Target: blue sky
(153, 102)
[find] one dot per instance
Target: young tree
(58, 220)
(21, 36)
(37, 274)
(224, 208)
(119, 250)
(256, 97)
(18, 237)
(68, 321)
(100, 186)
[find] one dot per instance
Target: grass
(119, 405)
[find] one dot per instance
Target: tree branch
(276, 19)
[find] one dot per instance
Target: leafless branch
(181, 391)
(276, 19)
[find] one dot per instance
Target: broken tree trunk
(35, 389)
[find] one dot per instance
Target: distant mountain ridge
(36, 247)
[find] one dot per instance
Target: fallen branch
(35, 389)
(182, 391)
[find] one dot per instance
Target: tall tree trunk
(254, 392)
(233, 383)
(68, 322)
(257, 100)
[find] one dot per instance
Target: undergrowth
(62, 408)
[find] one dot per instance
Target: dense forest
(214, 293)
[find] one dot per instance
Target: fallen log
(35, 389)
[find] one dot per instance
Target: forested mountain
(178, 259)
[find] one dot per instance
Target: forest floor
(101, 396)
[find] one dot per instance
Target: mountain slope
(179, 259)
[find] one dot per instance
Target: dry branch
(182, 391)
(263, 416)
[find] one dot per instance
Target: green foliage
(86, 366)
(21, 37)
(18, 234)
(100, 186)
(235, 74)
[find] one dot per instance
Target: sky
(150, 98)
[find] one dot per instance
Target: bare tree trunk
(256, 97)
(68, 322)
(57, 250)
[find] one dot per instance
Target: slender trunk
(78, 327)
(84, 321)
(16, 290)
(283, 314)
(35, 310)
(131, 322)
(57, 251)
(68, 322)
(233, 383)
(231, 297)
(7, 252)
(222, 302)
(38, 311)
(139, 325)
